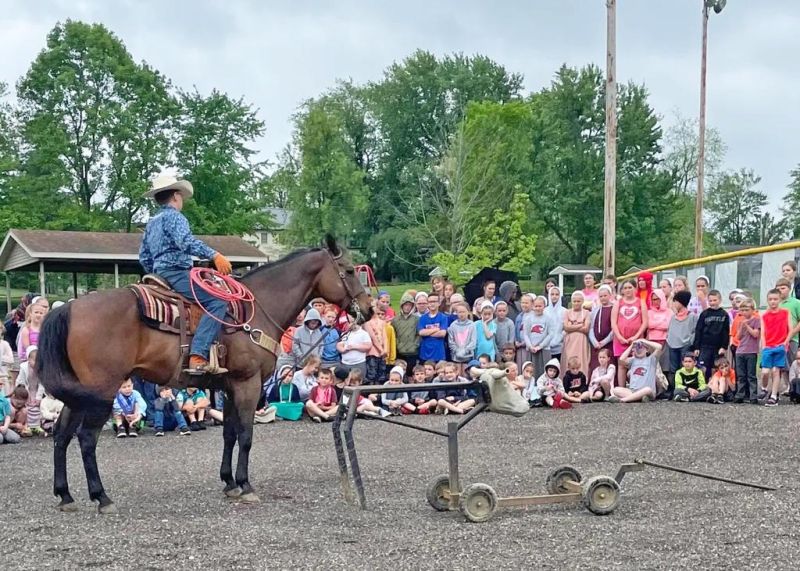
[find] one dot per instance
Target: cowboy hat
(164, 182)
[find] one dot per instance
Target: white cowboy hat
(167, 182)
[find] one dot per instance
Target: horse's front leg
(229, 433)
(246, 397)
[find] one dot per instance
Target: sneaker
(613, 398)
(771, 401)
(37, 431)
(536, 403)
(720, 399)
(316, 419)
(184, 430)
(754, 401)
(121, 433)
(384, 413)
(681, 398)
(159, 432)
(201, 425)
(133, 434)
(647, 398)
(194, 427)
(712, 399)
(738, 400)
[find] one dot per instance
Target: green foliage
(791, 205)
(681, 146)
(736, 209)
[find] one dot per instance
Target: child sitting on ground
(194, 403)
(508, 353)
(322, 402)
(722, 382)
(394, 402)
(305, 379)
(550, 387)
(167, 404)
(453, 400)
(128, 410)
(50, 408)
(576, 388)
(529, 391)
(7, 434)
(641, 360)
(690, 382)
(19, 411)
(285, 397)
(364, 405)
(419, 402)
(603, 376)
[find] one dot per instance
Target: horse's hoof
(108, 509)
(70, 507)
(249, 498)
(233, 492)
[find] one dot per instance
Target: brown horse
(89, 345)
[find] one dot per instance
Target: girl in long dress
(576, 328)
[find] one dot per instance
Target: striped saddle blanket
(162, 308)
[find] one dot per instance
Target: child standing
(376, 356)
(690, 382)
(505, 327)
(307, 339)
(749, 334)
(322, 402)
(658, 319)
(680, 334)
(462, 336)
(167, 404)
(536, 335)
(405, 329)
(555, 311)
(432, 329)
(576, 328)
(712, 334)
(6, 360)
(485, 329)
(526, 306)
(27, 378)
(128, 410)
(601, 334)
(330, 355)
(629, 322)
(722, 382)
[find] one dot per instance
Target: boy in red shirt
(774, 340)
(322, 402)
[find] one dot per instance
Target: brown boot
(199, 366)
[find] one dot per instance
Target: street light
(717, 6)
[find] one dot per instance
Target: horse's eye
(350, 271)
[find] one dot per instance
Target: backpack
(794, 391)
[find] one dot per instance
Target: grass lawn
(396, 289)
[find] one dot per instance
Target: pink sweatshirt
(658, 320)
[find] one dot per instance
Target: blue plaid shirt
(168, 243)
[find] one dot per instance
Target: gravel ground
(174, 516)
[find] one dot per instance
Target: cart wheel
(557, 477)
(435, 494)
(478, 502)
(601, 495)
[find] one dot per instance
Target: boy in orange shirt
(722, 382)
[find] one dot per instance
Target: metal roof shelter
(572, 270)
(96, 252)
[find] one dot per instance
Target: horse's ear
(330, 243)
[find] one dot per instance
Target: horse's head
(338, 283)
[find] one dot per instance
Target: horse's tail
(54, 368)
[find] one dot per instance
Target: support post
(42, 290)
(116, 275)
(701, 144)
(8, 292)
(75, 285)
(610, 198)
(452, 463)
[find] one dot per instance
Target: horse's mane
(287, 258)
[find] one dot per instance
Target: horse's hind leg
(88, 433)
(229, 423)
(65, 428)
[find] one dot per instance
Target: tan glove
(222, 264)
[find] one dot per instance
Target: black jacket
(713, 329)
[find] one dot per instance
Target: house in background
(268, 239)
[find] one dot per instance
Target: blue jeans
(162, 407)
(149, 393)
(208, 329)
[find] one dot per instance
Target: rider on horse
(167, 249)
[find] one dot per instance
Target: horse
(88, 346)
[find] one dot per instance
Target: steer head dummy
(505, 399)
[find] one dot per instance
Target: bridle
(354, 307)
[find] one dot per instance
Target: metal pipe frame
(344, 422)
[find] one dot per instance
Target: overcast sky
(276, 54)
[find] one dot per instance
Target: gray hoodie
(536, 330)
(306, 341)
(462, 340)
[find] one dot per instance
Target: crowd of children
(635, 342)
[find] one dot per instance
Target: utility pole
(701, 151)
(610, 200)
(717, 6)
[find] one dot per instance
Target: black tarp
(474, 287)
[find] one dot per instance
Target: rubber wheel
(601, 495)
(557, 477)
(478, 503)
(435, 494)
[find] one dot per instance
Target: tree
(93, 126)
(213, 152)
(329, 194)
(681, 150)
(735, 207)
(791, 205)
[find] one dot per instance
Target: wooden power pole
(701, 144)
(610, 202)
